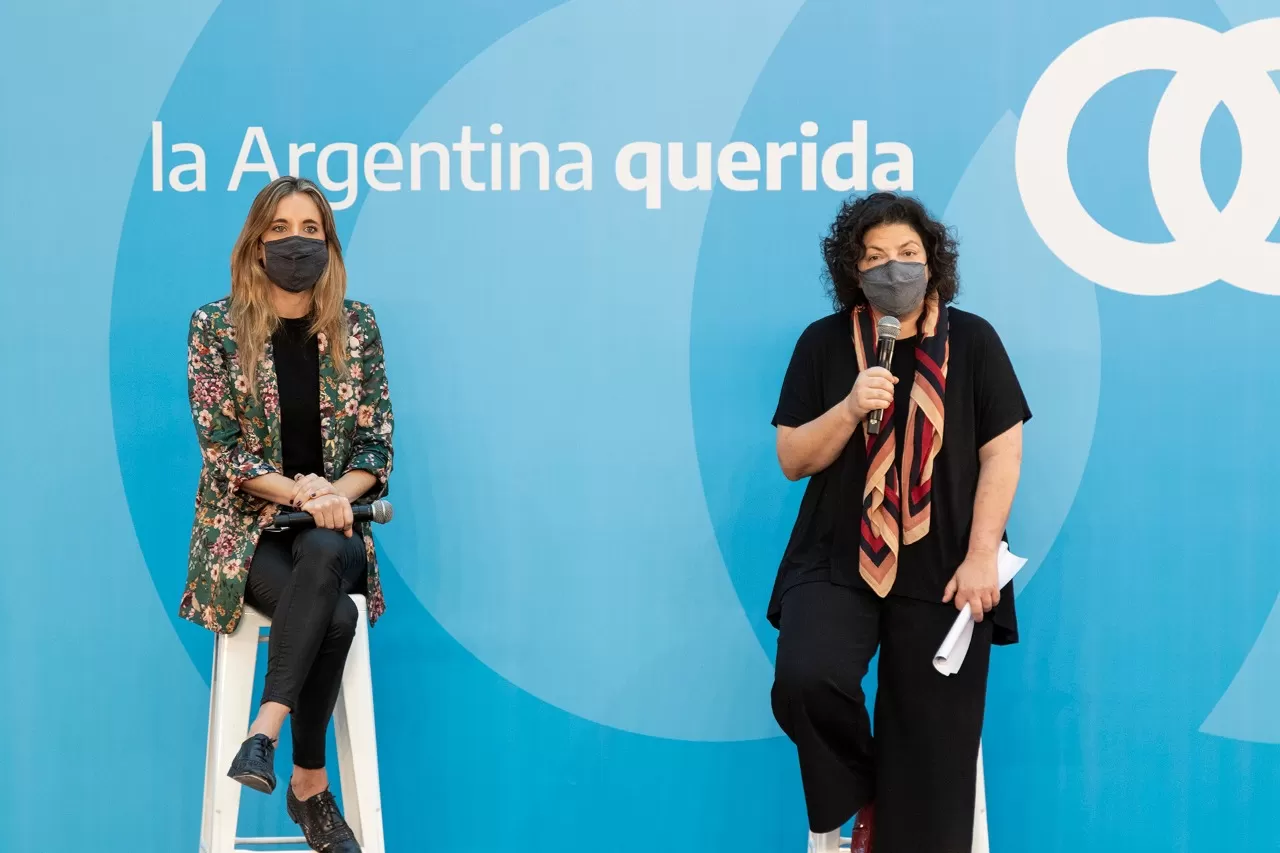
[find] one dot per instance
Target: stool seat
(235, 658)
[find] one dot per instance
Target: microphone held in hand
(887, 334)
(379, 512)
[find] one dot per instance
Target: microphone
(887, 332)
(378, 511)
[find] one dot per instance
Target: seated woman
(289, 396)
(899, 528)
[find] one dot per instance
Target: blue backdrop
(589, 512)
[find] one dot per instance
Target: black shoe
(322, 824)
(254, 764)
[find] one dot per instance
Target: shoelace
(331, 826)
(259, 749)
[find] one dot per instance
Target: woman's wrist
(353, 485)
(273, 487)
(982, 550)
(850, 415)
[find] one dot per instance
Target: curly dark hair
(842, 248)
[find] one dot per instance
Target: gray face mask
(895, 288)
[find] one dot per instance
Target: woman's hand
(309, 486)
(976, 583)
(872, 391)
(332, 512)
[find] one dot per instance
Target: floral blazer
(240, 440)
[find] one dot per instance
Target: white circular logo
(1211, 67)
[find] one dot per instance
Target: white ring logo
(1210, 68)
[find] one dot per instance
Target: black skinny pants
(301, 580)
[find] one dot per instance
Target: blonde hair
(252, 313)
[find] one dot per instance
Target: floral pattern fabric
(240, 440)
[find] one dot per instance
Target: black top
(983, 400)
(904, 368)
(297, 358)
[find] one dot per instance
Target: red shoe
(863, 831)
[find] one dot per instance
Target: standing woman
(289, 396)
(896, 532)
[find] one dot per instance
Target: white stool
(235, 657)
(833, 841)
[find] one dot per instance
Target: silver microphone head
(888, 327)
(382, 511)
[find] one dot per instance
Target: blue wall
(589, 513)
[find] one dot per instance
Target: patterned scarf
(884, 514)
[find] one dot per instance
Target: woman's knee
(346, 617)
(806, 681)
(322, 554)
(320, 544)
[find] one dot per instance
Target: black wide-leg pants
(920, 769)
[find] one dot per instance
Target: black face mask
(295, 264)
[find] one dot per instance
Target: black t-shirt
(297, 358)
(983, 400)
(903, 368)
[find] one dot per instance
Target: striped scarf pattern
(887, 520)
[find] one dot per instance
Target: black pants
(302, 580)
(921, 768)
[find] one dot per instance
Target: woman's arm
(213, 409)
(371, 452)
(977, 581)
(1000, 465)
(805, 450)
(354, 484)
(273, 487)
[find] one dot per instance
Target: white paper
(955, 646)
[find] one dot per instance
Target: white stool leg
(981, 843)
(358, 743)
(235, 658)
(825, 842)
(210, 752)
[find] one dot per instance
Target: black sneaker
(254, 764)
(323, 825)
